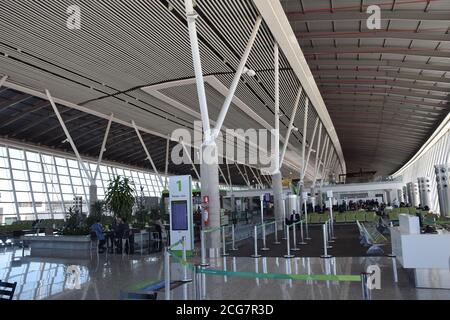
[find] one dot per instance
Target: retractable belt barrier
(198, 271)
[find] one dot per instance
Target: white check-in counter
(427, 254)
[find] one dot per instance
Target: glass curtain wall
(40, 185)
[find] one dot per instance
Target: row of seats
(350, 216)
(371, 237)
(393, 214)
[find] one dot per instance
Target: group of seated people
(118, 231)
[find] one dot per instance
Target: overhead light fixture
(249, 72)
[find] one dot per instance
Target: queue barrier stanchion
(185, 267)
(224, 244)
(167, 274)
(332, 220)
(330, 231)
(288, 245)
(264, 248)
(325, 252)
(306, 222)
(327, 223)
(276, 233)
(233, 248)
(301, 233)
(203, 263)
(197, 283)
(366, 292)
(392, 254)
(294, 234)
(255, 237)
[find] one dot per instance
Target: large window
(42, 185)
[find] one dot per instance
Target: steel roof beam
(382, 102)
(406, 121)
(387, 92)
(368, 123)
(11, 103)
(348, 133)
(77, 127)
(36, 123)
(379, 63)
(390, 107)
(113, 133)
(27, 111)
(389, 74)
(328, 50)
(76, 117)
(413, 15)
(380, 116)
(352, 83)
(370, 127)
(381, 34)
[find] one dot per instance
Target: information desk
(428, 255)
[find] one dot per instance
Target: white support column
(33, 202)
(304, 164)
(317, 156)
(13, 185)
(167, 163)
(46, 187)
(208, 169)
(246, 174)
(291, 125)
(276, 175)
(147, 153)
(277, 108)
(63, 203)
(324, 163)
(69, 138)
(224, 178)
(256, 177)
(328, 163)
(3, 80)
(305, 131)
(310, 148)
(230, 185)
(191, 17)
(237, 77)
(245, 179)
(103, 149)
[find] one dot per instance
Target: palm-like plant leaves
(120, 196)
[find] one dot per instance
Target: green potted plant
(120, 197)
(75, 224)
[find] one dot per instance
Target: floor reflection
(105, 277)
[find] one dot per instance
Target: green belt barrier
(181, 261)
(175, 244)
(317, 277)
(211, 229)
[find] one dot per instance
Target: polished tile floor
(106, 276)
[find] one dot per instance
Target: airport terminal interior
(225, 150)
